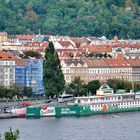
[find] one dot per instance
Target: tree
(2, 91)
(31, 54)
(93, 86)
(53, 77)
(77, 87)
(10, 135)
(120, 84)
(27, 91)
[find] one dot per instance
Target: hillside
(72, 17)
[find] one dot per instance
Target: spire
(39, 32)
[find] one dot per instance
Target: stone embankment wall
(13, 103)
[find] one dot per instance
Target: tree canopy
(77, 87)
(72, 17)
(52, 76)
(31, 54)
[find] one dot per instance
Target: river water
(98, 127)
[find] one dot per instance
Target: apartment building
(7, 69)
(97, 69)
(3, 36)
(74, 68)
(89, 69)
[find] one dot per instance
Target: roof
(25, 37)
(117, 62)
(79, 40)
(38, 38)
(3, 34)
(74, 61)
(97, 48)
(21, 62)
(66, 44)
(134, 62)
(95, 62)
(6, 56)
(119, 56)
(127, 46)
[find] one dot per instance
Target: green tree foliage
(93, 86)
(28, 54)
(52, 76)
(10, 135)
(71, 17)
(27, 91)
(15, 90)
(121, 84)
(77, 87)
(2, 91)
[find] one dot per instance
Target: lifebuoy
(104, 108)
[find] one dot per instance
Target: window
(67, 77)
(67, 71)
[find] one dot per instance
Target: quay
(10, 116)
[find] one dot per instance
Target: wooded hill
(72, 17)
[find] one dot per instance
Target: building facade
(34, 75)
(89, 69)
(7, 69)
(29, 72)
(74, 68)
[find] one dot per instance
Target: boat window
(119, 98)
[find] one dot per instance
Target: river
(99, 127)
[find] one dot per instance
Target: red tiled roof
(127, 46)
(116, 62)
(134, 62)
(95, 62)
(32, 44)
(119, 56)
(79, 40)
(97, 48)
(21, 62)
(6, 56)
(66, 44)
(45, 44)
(25, 37)
(74, 61)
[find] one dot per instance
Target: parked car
(6, 110)
(27, 103)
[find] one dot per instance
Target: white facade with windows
(7, 72)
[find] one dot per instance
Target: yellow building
(3, 36)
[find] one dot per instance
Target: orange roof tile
(25, 37)
(66, 44)
(6, 56)
(119, 56)
(134, 62)
(116, 62)
(95, 62)
(20, 62)
(98, 48)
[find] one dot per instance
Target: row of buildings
(24, 72)
(89, 69)
(123, 63)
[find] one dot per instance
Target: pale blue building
(30, 74)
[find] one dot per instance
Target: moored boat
(102, 103)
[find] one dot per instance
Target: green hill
(72, 17)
